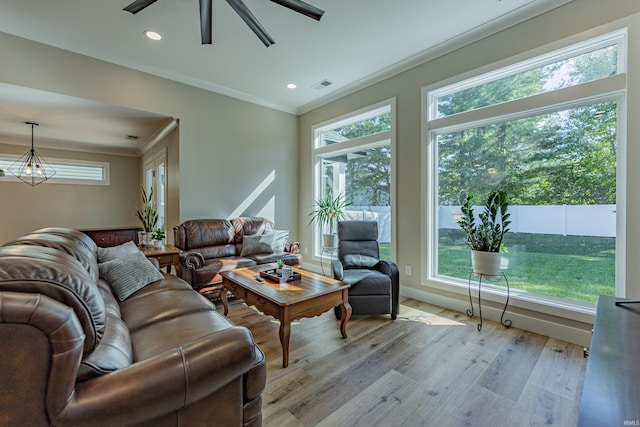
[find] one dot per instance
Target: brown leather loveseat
(212, 246)
(72, 354)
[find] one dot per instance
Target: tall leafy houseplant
(485, 237)
(326, 212)
(148, 215)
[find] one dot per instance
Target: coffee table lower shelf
(310, 296)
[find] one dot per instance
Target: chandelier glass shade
(31, 167)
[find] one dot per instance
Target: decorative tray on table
(272, 276)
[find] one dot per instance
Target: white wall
(24, 208)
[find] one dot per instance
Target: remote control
(259, 279)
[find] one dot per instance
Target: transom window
(67, 171)
(545, 131)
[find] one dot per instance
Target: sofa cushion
(257, 244)
(129, 274)
(233, 262)
(376, 283)
(112, 353)
(280, 238)
(248, 226)
(199, 233)
(288, 258)
(115, 252)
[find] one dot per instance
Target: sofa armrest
(191, 260)
(391, 269)
(292, 247)
(162, 384)
(338, 270)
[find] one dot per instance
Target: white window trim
(618, 37)
(616, 85)
(8, 177)
(370, 141)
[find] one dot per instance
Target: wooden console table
(611, 391)
(107, 237)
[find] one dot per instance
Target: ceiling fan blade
(138, 5)
(243, 11)
(302, 7)
(205, 21)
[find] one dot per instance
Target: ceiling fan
(242, 10)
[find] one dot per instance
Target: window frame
(319, 151)
(53, 161)
(612, 88)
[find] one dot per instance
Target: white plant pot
(487, 263)
(158, 243)
(330, 241)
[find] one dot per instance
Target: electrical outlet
(407, 270)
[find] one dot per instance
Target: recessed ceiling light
(152, 35)
(292, 85)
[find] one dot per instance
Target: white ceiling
(355, 43)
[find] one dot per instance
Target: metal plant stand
(505, 322)
(330, 253)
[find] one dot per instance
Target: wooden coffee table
(310, 296)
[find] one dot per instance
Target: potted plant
(280, 264)
(485, 237)
(326, 213)
(147, 216)
(158, 238)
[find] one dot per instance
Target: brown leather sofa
(72, 355)
(212, 246)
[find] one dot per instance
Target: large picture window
(353, 158)
(545, 131)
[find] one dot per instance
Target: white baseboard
(551, 327)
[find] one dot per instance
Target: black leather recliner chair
(375, 283)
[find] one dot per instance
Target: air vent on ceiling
(133, 137)
(322, 84)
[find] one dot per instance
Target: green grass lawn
(385, 250)
(573, 267)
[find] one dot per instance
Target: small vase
(142, 238)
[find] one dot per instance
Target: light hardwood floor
(430, 367)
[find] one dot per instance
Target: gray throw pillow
(115, 252)
(279, 240)
(257, 244)
(129, 274)
(360, 261)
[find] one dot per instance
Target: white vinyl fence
(565, 220)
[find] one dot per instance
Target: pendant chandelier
(31, 168)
